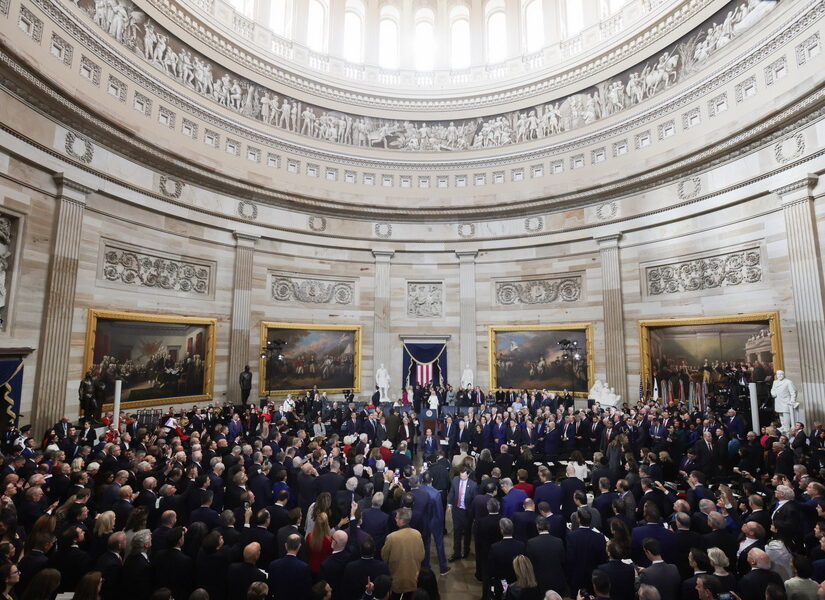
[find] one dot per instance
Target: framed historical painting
(693, 359)
(551, 357)
(161, 359)
(304, 355)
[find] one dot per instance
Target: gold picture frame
(547, 344)
(94, 329)
(292, 353)
(768, 319)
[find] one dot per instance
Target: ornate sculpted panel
(425, 299)
(288, 288)
(141, 269)
(7, 243)
(789, 149)
(721, 270)
(79, 147)
(539, 291)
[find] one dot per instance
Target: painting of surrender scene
(555, 358)
(328, 356)
(160, 359)
(693, 360)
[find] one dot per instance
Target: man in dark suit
(546, 553)
(754, 538)
(278, 512)
(652, 529)
(289, 577)
(604, 501)
(459, 500)
(34, 561)
(569, 486)
(549, 491)
(706, 455)
(174, 569)
(376, 522)
(245, 573)
(258, 531)
(501, 555)
(700, 563)
(720, 538)
(69, 559)
(622, 576)
(205, 513)
(758, 513)
(661, 575)
(752, 586)
(332, 569)
(585, 550)
(360, 570)
(487, 534)
(136, 577)
(524, 521)
(331, 481)
(110, 565)
(685, 540)
(284, 532)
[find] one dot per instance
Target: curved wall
(81, 178)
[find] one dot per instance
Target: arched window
(460, 38)
(354, 31)
(574, 21)
(317, 26)
(279, 17)
(424, 45)
(533, 26)
(388, 38)
(496, 33)
(245, 7)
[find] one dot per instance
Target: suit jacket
(136, 578)
(470, 491)
(403, 552)
(376, 523)
(332, 571)
(549, 492)
(524, 525)
(752, 585)
(289, 578)
(512, 502)
(585, 550)
(500, 559)
(723, 540)
(72, 563)
(653, 530)
(546, 552)
(30, 565)
(622, 579)
(266, 539)
(110, 566)
(569, 486)
(205, 515)
(685, 540)
(242, 575)
(175, 570)
(356, 574)
(664, 577)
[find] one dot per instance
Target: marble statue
(611, 398)
(382, 381)
(604, 395)
(597, 391)
(467, 377)
(5, 252)
(784, 401)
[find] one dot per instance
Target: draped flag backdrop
(11, 386)
(423, 363)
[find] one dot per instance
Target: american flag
(423, 373)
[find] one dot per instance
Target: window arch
(279, 13)
(245, 7)
(460, 56)
(317, 25)
(388, 38)
(424, 41)
(354, 31)
(496, 30)
(533, 26)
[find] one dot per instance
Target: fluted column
(467, 318)
(241, 314)
(613, 306)
(299, 21)
(406, 32)
(336, 29)
(512, 10)
(381, 328)
(806, 277)
(552, 21)
(372, 20)
(51, 385)
(478, 32)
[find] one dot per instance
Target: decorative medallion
(688, 189)
(533, 224)
(79, 147)
(607, 211)
(317, 224)
(466, 230)
(248, 210)
(789, 149)
(171, 188)
(383, 230)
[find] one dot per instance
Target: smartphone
(395, 480)
(246, 505)
(504, 585)
(725, 596)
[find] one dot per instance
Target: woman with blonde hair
(525, 587)
(720, 563)
(319, 543)
(322, 504)
(77, 465)
(257, 591)
(88, 588)
(103, 528)
(43, 524)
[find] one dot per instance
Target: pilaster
(241, 320)
(467, 315)
(613, 306)
(796, 200)
(51, 386)
(381, 329)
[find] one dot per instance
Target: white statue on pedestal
(467, 378)
(597, 391)
(784, 401)
(610, 398)
(382, 381)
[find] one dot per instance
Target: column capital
(383, 255)
(608, 241)
(245, 240)
(71, 188)
(466, 255)
(796, 191)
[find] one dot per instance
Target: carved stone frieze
(248, 210)
(789, 149)
(143, 269)
(539, 291)
(7, 243)
(171, 188)
(288, 288)
(715, 271)
(79, 147)
(425, 299)
(130, 27)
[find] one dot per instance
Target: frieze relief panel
(135, 267)
(547, 290)
(425, 299)
(297, 288)
(8, 241)
(708, 272)
(132, 28)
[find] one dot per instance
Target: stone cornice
(609, 241)
(807, 183)
(66, 184)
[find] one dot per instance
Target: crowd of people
(336, 501)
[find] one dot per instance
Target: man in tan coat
(403, 552)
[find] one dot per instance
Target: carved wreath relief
(734, 268)
(538, 291)
(316, 291)
(136, 268)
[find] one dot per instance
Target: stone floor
(460, 583)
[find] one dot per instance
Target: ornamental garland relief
(539, 291)
(146, 270)
(315, 291)
(425, 299)
(734, 268)
(132, 28)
